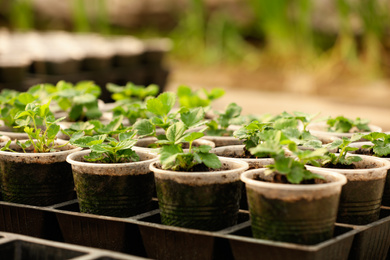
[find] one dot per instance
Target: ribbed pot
(237, 152)
(113, 189)
(361, 197)
(200, 200)
(303, 213)
(386, 191)
(39, 179)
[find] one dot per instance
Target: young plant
(132, 111)
(292, 167)
(105, 149)
(380, 143)
(43, 140)
(191, 99)
(160, 108)
(12, 102)
(219, 127)
(342, 124)
(131, 92)
(80, 100)
(252, 134)
(289, 125)
(341, 160)
(173, 157)
(95, 127)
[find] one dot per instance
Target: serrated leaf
(210, 160)
(193, 136)
(144, 127)
(52, 131)
(203, 148)
(192, 117)
(175, 131)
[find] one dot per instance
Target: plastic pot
(201, 200)
(303, 214)
(361, 197)
(113, 189)
(38, 179)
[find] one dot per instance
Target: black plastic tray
(20, 247)
(144, 235)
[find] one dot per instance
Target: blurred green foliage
(282, 29)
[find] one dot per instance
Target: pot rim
(374, 128)
(60, 141)
(340, 180)
(70, 159)
(243, 167)
(238, 147)
(359, 171)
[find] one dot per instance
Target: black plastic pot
(113, 189)
(39, 179)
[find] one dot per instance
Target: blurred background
(322, 56)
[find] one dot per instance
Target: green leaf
(76, 112)
(161, 105)
(176, 131)
(25, 98)
(192, 117)
(126, 144)
(382, 150)
(356, 137)
(210, 160)
(203, 148)
(52, 131)
(168, 155)
(93, 157)
(193, 136)
(126, 135)
(284, 123)
(144, 127)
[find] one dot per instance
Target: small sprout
(219, 126)
(342, 124)
(380, 143)
(342, 145)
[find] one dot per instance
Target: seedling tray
(20, 247)
(144, 235)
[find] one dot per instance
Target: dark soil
(197, 168)
(339, 166)
(282, 179)
(369, 152)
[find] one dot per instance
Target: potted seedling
(256, 132)
(78, 102)
(34, 171)
(129, 94)
(342, 127)
(195, 188)
(111, 178)
(132, 111)
(378, 145)
(201, 98)
(220, 131)
(286, 201)
(94, 127)
(361, 197)
(162, 118)
(11, 103)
